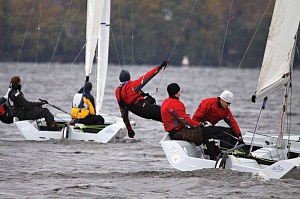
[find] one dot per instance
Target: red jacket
(174, 116)
(132, 89)
(131, 92)
(212, 111)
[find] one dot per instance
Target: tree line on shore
(142, 31)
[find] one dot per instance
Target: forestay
(279, 53)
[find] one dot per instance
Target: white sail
(103, 46)
(94, 13)
(278, 57)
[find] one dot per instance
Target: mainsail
(94, 13)
(103, 46)
(279, 53)
(97, 32)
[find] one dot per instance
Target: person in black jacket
(25, 110)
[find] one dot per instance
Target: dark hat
(173, 89)
(88, 86)
(124, 76)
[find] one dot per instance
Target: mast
(279, 55)
(286, 96)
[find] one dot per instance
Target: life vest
(86, 109)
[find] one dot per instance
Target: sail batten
(279, 50)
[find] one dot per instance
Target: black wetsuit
(25, 110)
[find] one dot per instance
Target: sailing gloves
(131, 133)
(163, 65)
(205, 124)
(43, 101)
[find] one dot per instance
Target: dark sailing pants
(35, 113)
(146, 110)
(223, 134)
(189, 134)
(91, 120)
(198, 136)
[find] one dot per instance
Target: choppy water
(132, 168)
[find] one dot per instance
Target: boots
(211, 150)
(53, 126)
(217, 149)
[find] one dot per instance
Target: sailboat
(97, 35)
(272, 156)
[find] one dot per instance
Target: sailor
(5, 116)
(181, 127)
(215, 109)
(83, 107)
(131, 98)
(25, 110)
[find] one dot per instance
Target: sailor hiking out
(131, 98)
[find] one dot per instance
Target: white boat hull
(114, 131)
(263, 141)
(186, 156)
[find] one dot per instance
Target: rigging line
(68, 68)
(61, 30)
(78, 54)
(228, 20)
(132, 33)
(161, 94)
(121, 32)
(182, 29)
(254, 34)
(177, 41)
(298, 51)
(283, 111)
(156, 90)
(290, 117)
(256, 126)
(38, 39)
(26, 31)
(115, 45)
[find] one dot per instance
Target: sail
(103, 46)
(279, 52)
(94, 13)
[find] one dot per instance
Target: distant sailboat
(274, 157)
(97, 35)
(185, 61)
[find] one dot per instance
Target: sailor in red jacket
(215, 109)
(180, 126)
(131, 98)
